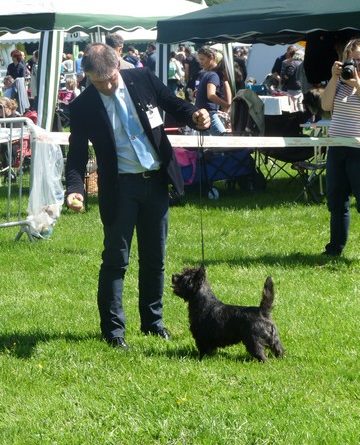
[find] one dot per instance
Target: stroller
(206, 167)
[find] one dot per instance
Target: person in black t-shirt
(17, 68)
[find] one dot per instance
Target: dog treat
(76, 202)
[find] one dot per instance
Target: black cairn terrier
(214, 324)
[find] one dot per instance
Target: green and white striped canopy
(53, 17)
(70, 15)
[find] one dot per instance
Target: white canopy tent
(10, 38)
(53, 17)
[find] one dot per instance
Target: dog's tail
(267, 297)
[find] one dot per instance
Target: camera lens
(348, 69)
(347, 74)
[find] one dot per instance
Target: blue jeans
(142, 204)
(216, 127)
(342, 180)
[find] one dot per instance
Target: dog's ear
(202, 272)
(199, 277)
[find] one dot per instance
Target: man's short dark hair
(100, 59)
(16, 54)
(114, 40)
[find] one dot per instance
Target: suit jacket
(89, 122)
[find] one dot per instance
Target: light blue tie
(132, 129)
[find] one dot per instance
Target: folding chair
(247, 119)
(311, 171)
(310, 175)
(247, 114)
(277, 160)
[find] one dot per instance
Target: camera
(348, 69)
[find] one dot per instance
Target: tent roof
(139, 35)
(70, 15)
(251, 21)
(34, 37)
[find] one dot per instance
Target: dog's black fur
(214, 324)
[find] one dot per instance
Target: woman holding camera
(342, 97)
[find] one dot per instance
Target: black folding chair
(277, 160)
(311, 171)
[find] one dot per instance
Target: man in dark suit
(150, 60)
(119, 114)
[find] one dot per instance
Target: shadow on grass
(285, 261)
(180, 353)
(279, 192)
(22, 345)
(192, 354)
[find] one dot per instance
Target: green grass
(60, 384)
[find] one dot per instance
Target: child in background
(71, 91)
(9, 87)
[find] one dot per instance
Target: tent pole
(50, 53)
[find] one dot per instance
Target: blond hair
(351, 46)
(11, 104)
(70, 83)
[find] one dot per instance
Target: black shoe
(331, 253)
(162, 332)
(332, 250)
(118, 342)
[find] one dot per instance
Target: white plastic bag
(46, 192)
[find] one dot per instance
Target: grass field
(60, 384)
